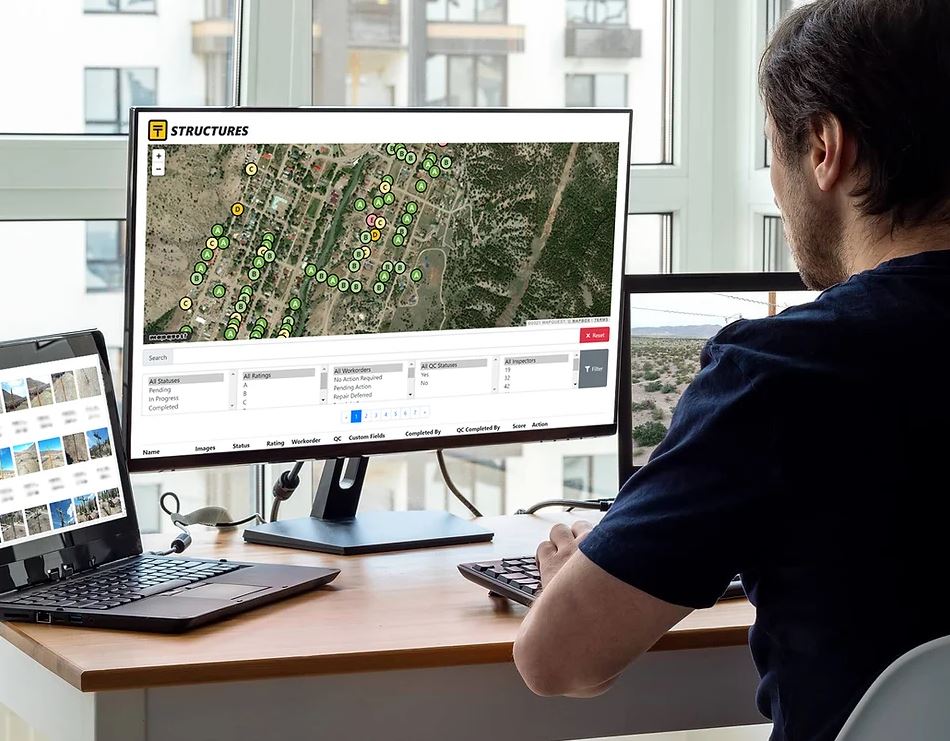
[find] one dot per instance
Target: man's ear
(832, 153)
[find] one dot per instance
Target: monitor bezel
(677, 283)
(96, 544)
(341, 449)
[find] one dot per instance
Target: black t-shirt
(809, 455)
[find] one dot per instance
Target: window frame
(592, 76)
(117, 260)
(121, 9)
(117, 86)
(476, 20)
(474, 58)
(602, 24)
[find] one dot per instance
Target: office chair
(908, 700)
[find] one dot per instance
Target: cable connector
(601, 505)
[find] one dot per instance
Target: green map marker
(185, 329)
(254, 274)
(354, 266)
(356, 286)
(434, 172)
(400, 267)
(258, 262)
(332, 280)
(446, 162)
(217, 230)
(421, 186)
(200, 267)
(230, 334)
(268, 237)
(390, 149)
(358, 253)
(218, 291)
(360, 204)
(196, 279)
(322, 276)
(388, 179)
(401, 153)
(389, 199)
(289, 321)
(388, 266)
(207, 254)
(343, 285)
(378, 288)
(240, 306)
(407, 218)
(295, 304)
(398, 240)
(402, 231)
(411, 158)
(310, 270)
(416, 275)
(366, 237)
(270, 256)
(223, 243)
(412, 207)
(384, 276)
(378, 202)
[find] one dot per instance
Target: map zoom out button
(595, 334)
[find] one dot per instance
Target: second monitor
(339, 283)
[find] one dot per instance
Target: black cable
(599, 504)
(452, 487)
(284, 488)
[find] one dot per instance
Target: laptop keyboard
(121, 585)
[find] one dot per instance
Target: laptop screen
(58, 466)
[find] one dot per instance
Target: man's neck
(874, 247)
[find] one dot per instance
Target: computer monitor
(671, 318)
(336, 283)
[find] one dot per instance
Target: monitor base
(370, 532)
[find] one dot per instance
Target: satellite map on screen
(279, 241)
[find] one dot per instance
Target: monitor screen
(58, 469)
(668, 332)
(331, 282)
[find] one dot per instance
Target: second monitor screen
(668, 334)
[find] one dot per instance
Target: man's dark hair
(883, 68)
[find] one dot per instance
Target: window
(467, 11)
(597, 12)
(776, 255)
(110, 92)
(458, 80)
(119, 6)
(105, 255)
(599, 90)
(649, 244)
(590, 476)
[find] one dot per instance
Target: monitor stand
(333, 526)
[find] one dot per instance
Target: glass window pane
(102, 105)
(579, 91)
(102, 240)
(491, 81)
(461, 81)
(187, 46)
(437, 84)
(461, 10)
(610, 91)
(649, 247)
(623, 57)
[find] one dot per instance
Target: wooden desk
(396, 637)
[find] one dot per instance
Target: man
(809, 454)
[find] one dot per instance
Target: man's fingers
(581, 528)
(546, 550)
(562, 536)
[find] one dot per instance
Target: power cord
(217, 517)
(599, 504)
(452, 487)
(284, 488)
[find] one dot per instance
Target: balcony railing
(603, 42)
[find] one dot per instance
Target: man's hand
(554, 553)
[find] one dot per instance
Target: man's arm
(588, 625)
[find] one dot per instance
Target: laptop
(70, 550)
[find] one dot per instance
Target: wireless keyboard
(519, 579)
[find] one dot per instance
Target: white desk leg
(59, 712)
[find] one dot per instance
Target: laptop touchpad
(221, 591)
